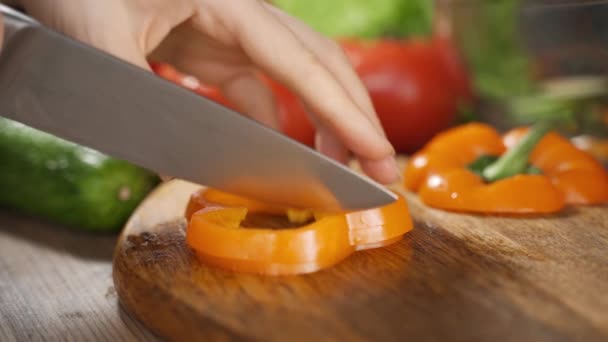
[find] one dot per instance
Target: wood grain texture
(56, 285)
(454, 277)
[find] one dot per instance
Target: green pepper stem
(515, 160)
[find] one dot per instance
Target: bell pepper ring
(218, 238)
(379, 227)
(440, 173)
(220, 234)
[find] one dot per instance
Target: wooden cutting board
(454, 277)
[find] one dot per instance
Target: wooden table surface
(56, 285)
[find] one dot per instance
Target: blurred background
(506, 62)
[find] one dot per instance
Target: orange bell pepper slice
(218, 238)
(454, 147)
(216, 233)
(579, 176)
(440, 175)
(379, 227)
(211, 197)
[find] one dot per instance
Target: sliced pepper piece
(579, 176)
(212, 197)
(379, 227)
(217, 232)
(453, 147)
(218, 238)
(367, 228)
(439, 173)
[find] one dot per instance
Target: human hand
(225, 43)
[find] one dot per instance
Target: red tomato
(411, 88)
(455, 68)
(292, 114)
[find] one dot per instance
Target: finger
(189, 48)
(301, 70)
(334, 59)
(327, 143)
(120, 43)
(216, 65)
(83, 22)
(249, 94)
(117, 43)
(129, 53)
(384, 170)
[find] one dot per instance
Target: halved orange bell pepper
(442, 172)
(216, 233)
(579, 176)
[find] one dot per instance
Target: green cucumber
(44, 176)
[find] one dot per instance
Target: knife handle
(14, 21)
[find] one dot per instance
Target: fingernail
(392, 151)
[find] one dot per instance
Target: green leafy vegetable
(488, 32)
(363, 18)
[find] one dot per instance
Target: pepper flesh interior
(275, 221)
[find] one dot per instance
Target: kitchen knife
(61, 86)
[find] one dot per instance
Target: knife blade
(59, 85)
